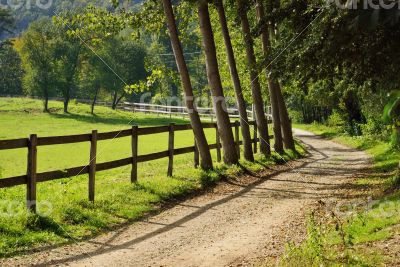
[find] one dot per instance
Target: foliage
(11, 71)
(336, 119)
(26, 12)
(37, 52)
(391, 114)
(337, 58)
(350, 240)
(6, 21)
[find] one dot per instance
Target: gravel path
(237, 223)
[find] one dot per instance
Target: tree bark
(94, 100)
(272, 84)
(46, 99)
(262, 123)
(244, 122)
(285, 121)
(114, 100)
(46, 104)
(66, 101)
(119, 99)
(286, 124)
(214, 79)
(205, 155)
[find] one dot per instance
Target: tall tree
(206, 160)
(244, 122)
(283, 112)
(37, 51)
(214, 79)
(6, 21)
(262, 123)
(68, 55)
(272, 83)
(11, 70)
(125, 67)
(285, 120)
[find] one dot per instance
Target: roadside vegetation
(358, 238)
(65, 214)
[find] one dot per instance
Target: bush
(375, 127)
(395, 138)
(336, 119)
(296, 116)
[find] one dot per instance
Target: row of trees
(213, 74)
(328, 63)
(56, 61)
(95, 49)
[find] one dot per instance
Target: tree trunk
(119, 100)
(205, 155)
(46, 104)
(114, 103)
(46, 100)
(66, 101)
(286, 124)
(214, 79)
(244, 122)
(285, 121)
(272, 84)
(262, 123)
(94, 100)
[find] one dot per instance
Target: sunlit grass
(63, 203)
(328, 244)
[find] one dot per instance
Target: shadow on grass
(39, 223)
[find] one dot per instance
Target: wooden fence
(182, 111)
(33, 177)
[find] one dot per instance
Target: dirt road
(237, 223)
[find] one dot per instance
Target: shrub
(375, 127)
(336, 119)
(296, 116)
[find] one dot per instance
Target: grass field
(66, 213)
(352, 242)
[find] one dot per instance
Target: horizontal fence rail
(160, 109)
(33, 177)
(180, 110)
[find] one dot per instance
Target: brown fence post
(237, 138)
(31, 173)
(92, 165)
(134, 153)
(218, 143)
(171, 149)
(255, 137)
(196, 154)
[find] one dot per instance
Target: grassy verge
(353, 239)
(66, 213)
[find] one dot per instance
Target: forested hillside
(26, 12)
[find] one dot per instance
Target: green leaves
(392, 108)
(91, 25)
(142, 86)
(6, 21)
